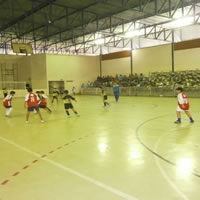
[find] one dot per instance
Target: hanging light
(99, 41)
(131, 34)
(181, 22)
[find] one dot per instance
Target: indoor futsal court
(99, 100)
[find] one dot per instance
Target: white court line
(173, 185)
(91, 180)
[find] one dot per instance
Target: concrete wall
(24, 69)
(116, 66)
(79, 69)
(187, 59)
(154, 59)
(38, 71)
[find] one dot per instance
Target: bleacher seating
(155, 79)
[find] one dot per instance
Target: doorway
(60, 85)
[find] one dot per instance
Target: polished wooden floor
(131, 150)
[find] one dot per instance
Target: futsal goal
(12, 85)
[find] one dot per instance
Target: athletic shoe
(26, 122)
(191, 121)
(42, 121)
(68, 116)
(177, 122)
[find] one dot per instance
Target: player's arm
(25, 104)
(26, 100)
(72, 98)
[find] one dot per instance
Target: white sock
(8, 111)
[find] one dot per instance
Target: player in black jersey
(105, 98)
(68, 103)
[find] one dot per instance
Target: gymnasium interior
(129, 150)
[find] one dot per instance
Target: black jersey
(68, 98)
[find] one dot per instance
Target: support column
(100, 61)
(172, 51)
(131, 57)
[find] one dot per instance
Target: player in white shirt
(183, 106)
(7, 102)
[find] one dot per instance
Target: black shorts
(68, 106)
(8, 106)
(105, 98)
(55, 97)
(42, 106)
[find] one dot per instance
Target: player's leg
(106, 103)
(75, 111)
(178, 114)
(67, 112)
(6, 114)
(27, 116)
(66, 106)
(57, 99)
(8, 111)
(39, 114)
(48, 109)
(53, 99)
(189, 116)
(116, 96)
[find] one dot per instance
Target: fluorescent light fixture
(131, 34)
(181, 22)
(99, 41)
(126, 49)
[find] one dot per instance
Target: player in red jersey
(183, 106)
(31, 103)
(43, 102)
(7, 103)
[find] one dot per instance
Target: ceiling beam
(26, 14)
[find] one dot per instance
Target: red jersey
(32, 100)
(7, 102)
(43, 101)
(183, 101)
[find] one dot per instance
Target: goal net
(12, 85)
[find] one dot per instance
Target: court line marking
(152, 151)
(170, 182)
(174, 186)
(45, 155)
(71, 171)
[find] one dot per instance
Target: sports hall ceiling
(84, 26)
